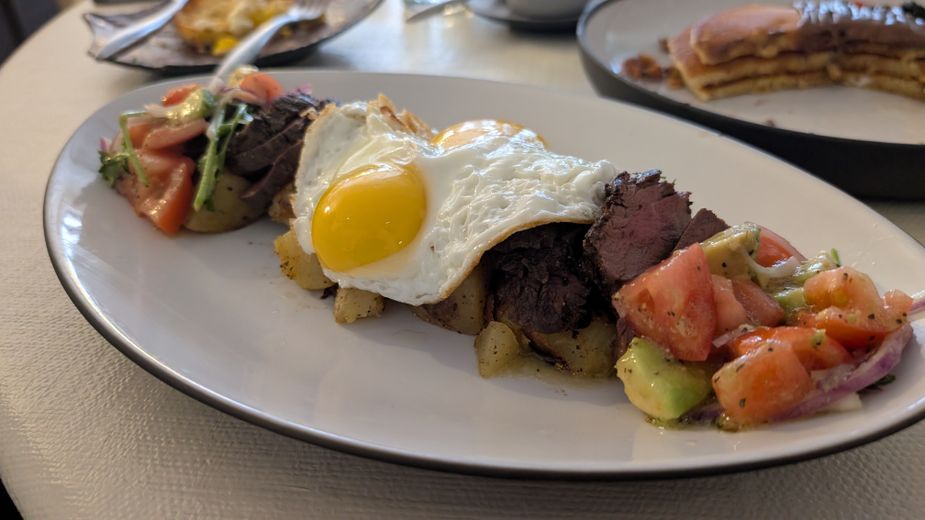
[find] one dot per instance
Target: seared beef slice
(537, 282)
(704, 225)
(641, 221)
(273, 130)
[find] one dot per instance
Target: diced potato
(298, 265)
(464, 310)
(281, 207)
(587, 353)
(351, 305)
(496, 347)
(228, 211)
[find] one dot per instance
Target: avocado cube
(658, 384)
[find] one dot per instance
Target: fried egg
(391, 208)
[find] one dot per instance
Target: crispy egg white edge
(357, 114)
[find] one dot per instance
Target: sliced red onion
(156, 110)
(105, 145)
(835, 384)
(918, 302)
(723, 339)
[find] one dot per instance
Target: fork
(246, 50)
(138, 30)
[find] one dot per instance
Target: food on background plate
(216, 26)
(482, 229)
(760, 48)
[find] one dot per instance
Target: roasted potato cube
(464, 310)
(228, 211)
(353, 304)
(281, 207)
(496, 347)
(589, 352)
(298, 265)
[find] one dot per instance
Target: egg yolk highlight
(367, 215)
(469, 132)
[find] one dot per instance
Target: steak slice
(642, 219)
(537, 282)
(255, 160)
(271, 121)
(261, 193)
(704, 225)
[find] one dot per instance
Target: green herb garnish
(128, 148)
(213, 160)
(113, 166)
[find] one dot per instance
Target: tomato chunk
(760, 307)
(177, 95)
(166, 136)
(773, 248)
(843, 287)
(729, 312)
(138, 131)
(168, 197)
(263, 86)
(851, 310)
(762, 384)
(815, 349)
(854, 328)
(673, 304)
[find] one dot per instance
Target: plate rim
(97, 319)
(581, 31)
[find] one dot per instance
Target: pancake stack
(761, 48)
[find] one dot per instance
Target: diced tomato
(138, 131)
(167, 198)
(762, 384)
(851, 310)
(263, 86)
(729, 312)
(165, 136)
(760, 307)
(773, 248)
(176, 95)
(855, 328)
(897, 303)
(816, 350)
(843, 287)
(673, 304)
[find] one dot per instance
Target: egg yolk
(468, 132)
(367, 215)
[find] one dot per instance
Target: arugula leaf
(212, 161)
(129, 148)
(113, 166)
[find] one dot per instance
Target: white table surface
(84, 433)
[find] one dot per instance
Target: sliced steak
(704, 225)
(261, 193)
(271, 121)
(537, 282)
(641, 221)
(255, 160)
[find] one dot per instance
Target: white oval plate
(625, 28)
(212, 316)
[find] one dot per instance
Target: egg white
(477, 196)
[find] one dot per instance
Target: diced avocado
(728, 251)
(791, 300)
(658, 384)
(197, 105)
(824, 261)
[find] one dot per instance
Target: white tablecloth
(84, 433)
